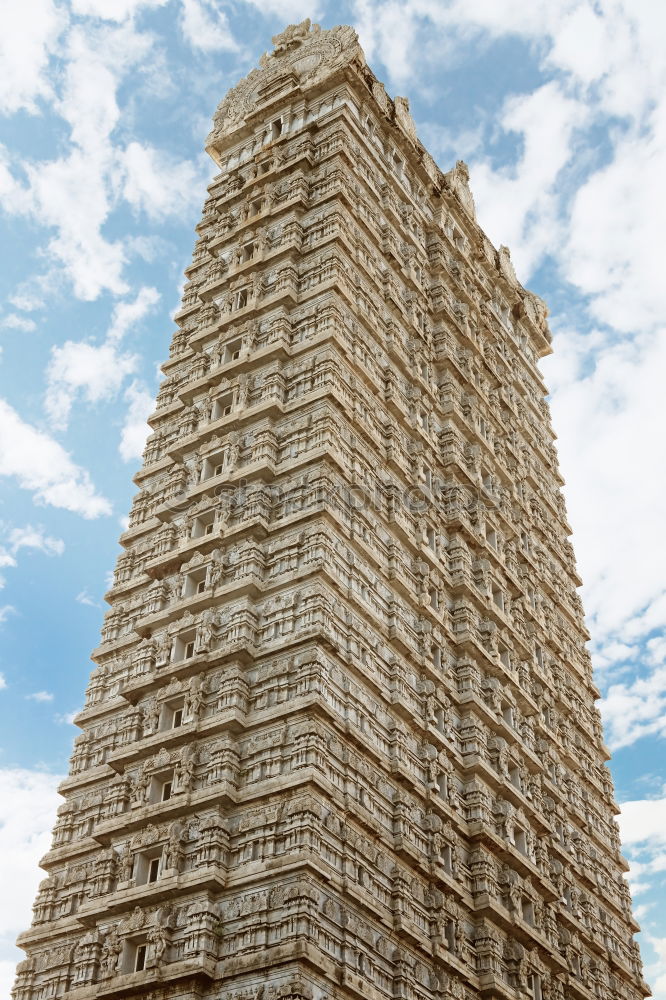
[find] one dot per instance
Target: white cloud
(128, 314)
(617, 472)
(6, 611)
(288, 10)
(85, 598)
(14, 322)
(657, 970)
(448, 145)
(387, 31)
(42, 466)
(28, 805)
(26, 538)
(580, 45)
(113, 10)
(29, 34)
(135, 429)
(643, 821)
(643, 831)
(40, 696)
(94, 372)
(206, 26)
(66, 718)
(30, 537)
(501, 17)
(634, 709)
(30, 295)
(617, 221)
(3, 682)
(74, 194)
(158, 185)
(70, 196)
(12, 195)
(614, 391)
(88, 102)
(519, 205)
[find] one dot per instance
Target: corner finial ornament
(293, 36)
(404, 118)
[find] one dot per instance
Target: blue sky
(559, 108)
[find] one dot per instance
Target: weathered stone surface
(340, 739)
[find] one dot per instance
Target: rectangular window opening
(204, 525)
(223, 405)
(195, 583)
(232, 351)
(140, 958)
(534, 986)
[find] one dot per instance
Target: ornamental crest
(304, 50)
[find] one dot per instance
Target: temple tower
(341, 739)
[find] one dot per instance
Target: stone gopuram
(341, 738)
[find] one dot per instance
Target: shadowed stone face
(341, 736)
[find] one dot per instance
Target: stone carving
(111, 949)
(405, 119)
(303, 49)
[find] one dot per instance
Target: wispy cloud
(40, 696)
(95, 372)
(84, 598)
(14, 322)
(206, 26)
(28, 804)
(135, 430)
(41, 465)
(66, 718)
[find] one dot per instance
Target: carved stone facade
(341, 738)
